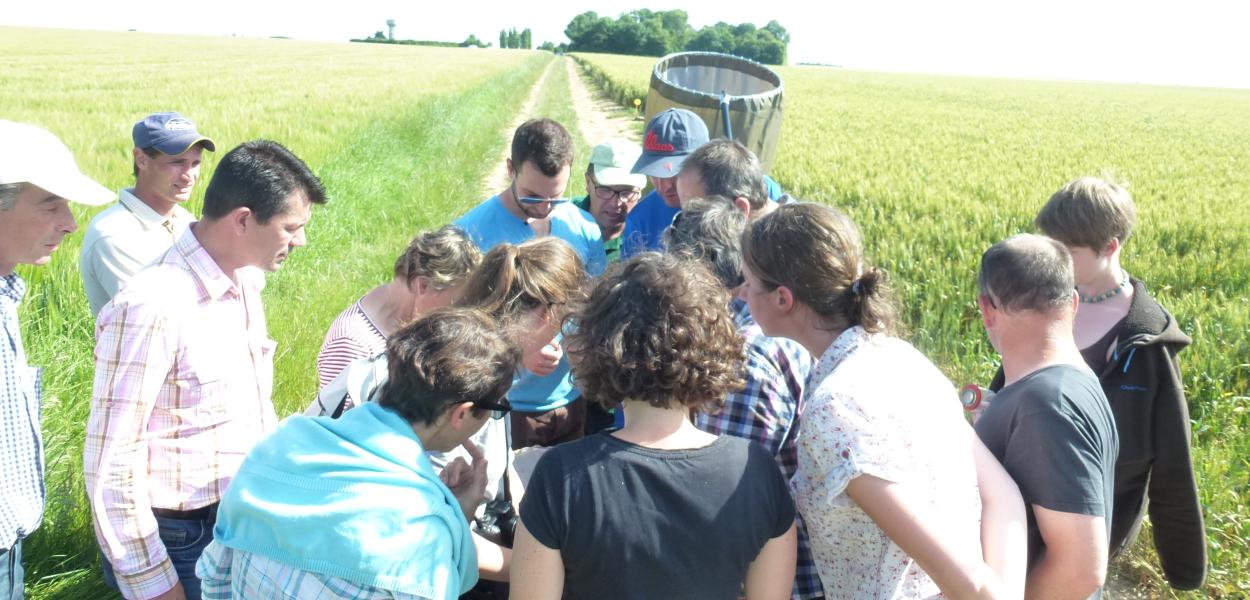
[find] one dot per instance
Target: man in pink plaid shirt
(184, 371)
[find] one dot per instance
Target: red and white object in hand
(975, 399)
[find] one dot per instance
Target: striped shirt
(21, 445)
(229, 574)
(767, 411)
(352, 336)
(184, 371)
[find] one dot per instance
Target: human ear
(785, 298)
(743, 205)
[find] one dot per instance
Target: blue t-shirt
(645, 225)
(490, 224)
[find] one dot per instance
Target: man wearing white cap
(147, 218)
(612, 191)
(38, 180)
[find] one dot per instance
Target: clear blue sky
(1197, 42)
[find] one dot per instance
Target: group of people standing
(700, 393)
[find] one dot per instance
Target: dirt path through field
(598, 118)
(497, 179)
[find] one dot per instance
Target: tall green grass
(935, 169)
(401, 137)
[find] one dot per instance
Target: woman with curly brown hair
(900, 498)
(657, 509)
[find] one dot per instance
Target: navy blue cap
(169, 133)
(670, 137)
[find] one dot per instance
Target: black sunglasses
(497, 409)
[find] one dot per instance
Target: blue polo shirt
(490, 224)
(645, 225)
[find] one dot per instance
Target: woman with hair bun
(900, 498)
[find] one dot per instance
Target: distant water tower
(390, 29)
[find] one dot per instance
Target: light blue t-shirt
(489, 224)
(645, 225)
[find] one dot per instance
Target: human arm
(1175, 510)
(900, 513)
(1074, 563)
(134, 355)
(1004, 525)
(771, 574)
(494, 562)
(539, 569)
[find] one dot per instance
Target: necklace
(1109, 294)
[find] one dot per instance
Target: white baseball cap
(612, 161)
(30, 154)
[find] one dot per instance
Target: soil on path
(497, 179)
(598, 118)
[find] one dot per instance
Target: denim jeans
(11, 574)
(185, 540)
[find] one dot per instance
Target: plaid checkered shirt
(184, 372)
(21, 445)
(767, 411)
(226, 574)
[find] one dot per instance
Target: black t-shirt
(635, 522)
(1053, 432)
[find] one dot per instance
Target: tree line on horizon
(645, 32)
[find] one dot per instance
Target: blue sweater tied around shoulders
(355, 498)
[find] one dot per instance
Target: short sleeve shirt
(490, 224)
(1053, 432)
(863, 417)
(640, 523)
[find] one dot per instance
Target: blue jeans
(185, 540)
(11, 574)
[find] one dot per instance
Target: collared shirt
(184, 371)
(21, 445)
(612, 247)
(123, 239)
(226, 574)
(767, 411)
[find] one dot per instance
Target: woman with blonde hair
(428, 275)
(900, 498)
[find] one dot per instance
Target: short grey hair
(8, 194)
(1027, 272)
(729, 169)
(710, 229)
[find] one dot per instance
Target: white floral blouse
(875, 405)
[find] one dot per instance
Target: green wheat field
(934, 169)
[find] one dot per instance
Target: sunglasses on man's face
(531, 200)
(497, 409)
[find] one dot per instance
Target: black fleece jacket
(1142, 382)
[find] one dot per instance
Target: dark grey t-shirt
(634, 522)
(1054, 433)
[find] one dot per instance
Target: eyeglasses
(497, 408)
(626, 196)
(532, 201)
